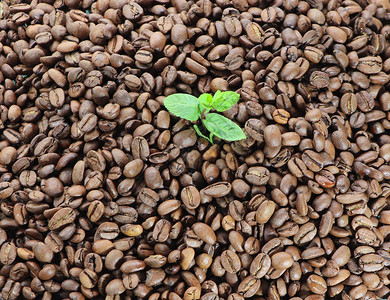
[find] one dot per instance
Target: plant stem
(202, 116)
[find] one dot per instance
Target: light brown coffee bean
(132, 229)
(8, 253)
(316, 284)
(219, 189)
(282, 260)
(205, 233)
(186, 258)
(61, 218)
(230, 261)
(190, 197)
(305, 234)
(42, 252)
(265, 211)
(257, 175)
(260, 265)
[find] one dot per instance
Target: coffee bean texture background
(105, 195)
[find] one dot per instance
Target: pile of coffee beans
(105, 195)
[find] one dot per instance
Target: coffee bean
(157, 41)
(186, 258)
(313, 54)
(168, 206)
(190, 197)
(233, 26)
(132, 11)
(218, 189)
(365, 101)
(108, 230)
(115, 287)
(319, 79)
(257, 175)
(265, 211)
(370, 64)
(204, 232)
(88, 278)
(255, 32)
(255, 128)
(371, 262)
(61, 218)
(260, 265)
(144, 56)
(281, 116)
(95, 210)
(42, 252)
(337, 34)
(132, 265)
(161, 230)
(305, 234)
(230, 261)
(179, 34)
(148, 197)
(131, 230)
(348, 103)
(195, 67)
(7, 253)
(312, 160)
(282, 260)
(249, 286)
(272, 136)
(316, 284)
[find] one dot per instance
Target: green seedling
(192, 109)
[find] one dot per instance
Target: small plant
(192, 109)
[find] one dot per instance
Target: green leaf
(231, 96)
(183, 105)
(202, 135)
(225, 101)
(205, 100)
(223, 128)
(217, 97)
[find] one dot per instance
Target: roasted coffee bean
(95, 210)
(265, 211)
(316, 284)
(260, 265)
(132, 265)
(365, 101)
(7, 253)
(257, 175)
(282, 260)
(132, 11)
(190, 197)
(305, 234)
(62, 217)
(205, 233)
(319, 79)
(131, 230)
(272, 136)
(330, 269)
(281, 116)
(255, 32)
(230, 261)
(161, 230)
(348, 103)
(370, 64)
(42, 252)
(219, 189)
(249, 286)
